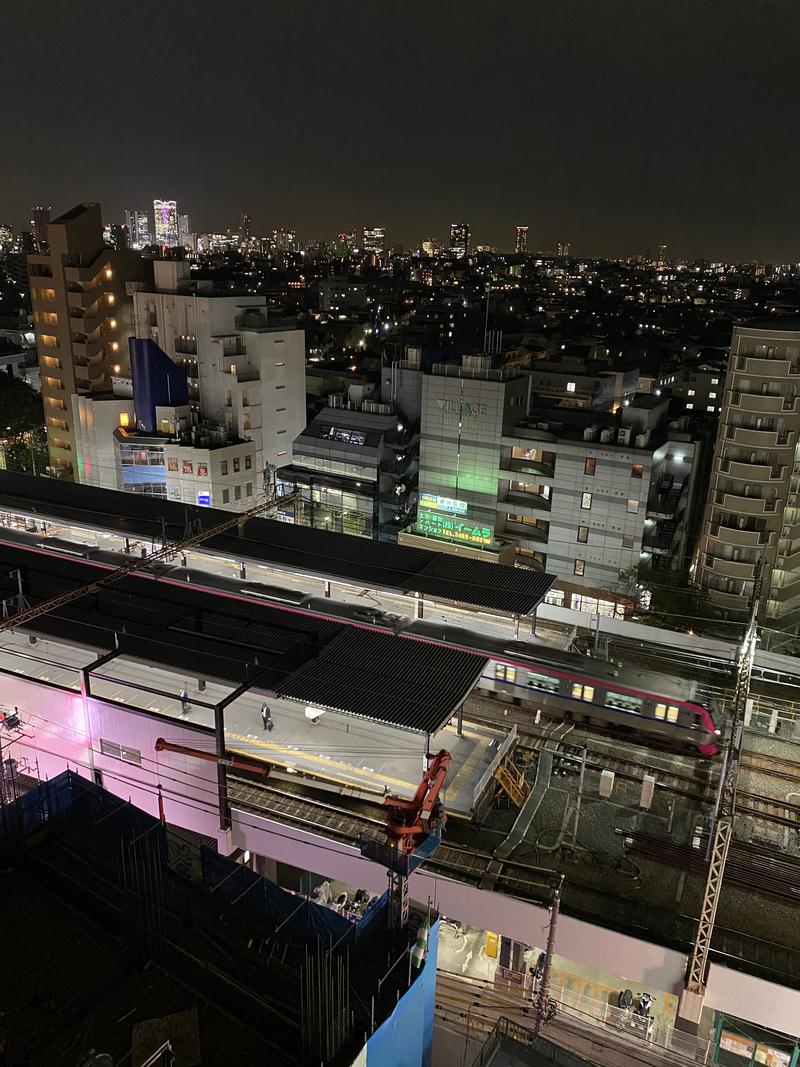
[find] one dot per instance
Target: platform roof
(376, 564)
(341, 667)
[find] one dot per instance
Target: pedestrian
(185, 705)
(266, 716)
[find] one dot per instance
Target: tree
(677, 604)
(22, 431)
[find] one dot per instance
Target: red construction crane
(409, 822)
(238, 764)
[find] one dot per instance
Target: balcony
(745, 505)
(730, 568)
(766, 368)
(732, 535)
(533, 502)
(510, 468)
(734, 603)
(752, 472)
(85, 299)
(522, 530)
(740, 435)
(763, 402)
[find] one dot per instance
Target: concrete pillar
(418, 606)
(516, 626)
(184, 562)
(327, 588)
(460, 723)
(201, 685)
(242, 571)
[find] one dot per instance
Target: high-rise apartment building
(375, 240)
(245, 224)
(521, 240)
(184, 230)
(40, 221)
(753, 509)
(138, 225)
(459, 239)
(218, 394)
(165, 219)
(82, 317)
(563, 248)
(432, 246)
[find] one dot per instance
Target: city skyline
(613, 133)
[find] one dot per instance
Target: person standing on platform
(266, 717)
(185, 705)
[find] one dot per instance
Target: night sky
(613, 124)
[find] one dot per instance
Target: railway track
(760, 763)
(521, 879)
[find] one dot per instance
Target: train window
(661, 711)
(503, 672)
(582, 692)
(624, 701)
(672, 713)
(542, 681)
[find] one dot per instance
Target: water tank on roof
(590, 433)
(642, 440)
(607, 436)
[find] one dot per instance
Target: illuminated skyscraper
(165, 217)
(40, 220)
(245, 224)
(563, 248)
(431, 246)
(138, 228)
(184, 228)
(375, 240)
(459, 239)
(521, 241)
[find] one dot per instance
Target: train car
(275, 593)
(363, 614)
(592, 690)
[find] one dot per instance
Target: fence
(488, 774)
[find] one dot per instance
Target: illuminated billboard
(443, 503)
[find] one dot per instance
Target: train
(530, 673)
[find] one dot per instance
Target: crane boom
(166, 552)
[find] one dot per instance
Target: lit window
(504, 672)
(586, 501)
(202, 470)
(579, 567)
(712, 396)
(582, 692)
(570, 387)
(672, 713)
(187, 466)
(233, 368)
(115, 346)
(124, 418)
(690, 392)
(627, 540)
(689, 407)
(661, 711)
(715, 381)
(590, 466)
(710, 408)
(583, 534)
(637, 470)
(633, 506)
(112, 323)
(111, 298)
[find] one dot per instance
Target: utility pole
(545, 1007)
(694, 990)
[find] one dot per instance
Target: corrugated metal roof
(512, 590)
(324, 663)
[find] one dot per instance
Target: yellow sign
(492, 944)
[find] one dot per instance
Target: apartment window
(236, 464)
(627, 540)
(223, 467)
(586, 501)
(49, 340)
(237, 492)
(637, 470)
(226, 496)
(712, 396)
(248, 463)
(46, 295)
(710, 408)
(590, 466)
(202, 470)
(233, 368)
(570, 387)
(245, 422)
(633, 506)
(172, 465)
(715, 381)
(690, 392)
(689, 407)
(46, 318)
(579, 567)
(583, 534)
(187, 466)
(248, 489)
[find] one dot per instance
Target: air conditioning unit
(606, 436)
(590, 433)
(624, 436)
(642, 440)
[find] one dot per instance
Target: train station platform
(343, 753)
